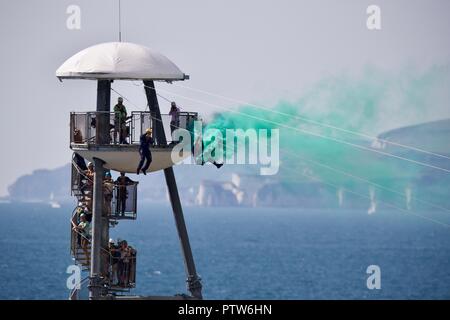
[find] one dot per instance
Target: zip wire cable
(151, 116)
(159, 95)
(120, 23)
(317, 122)
(309, 132)
(333, 185)
(342, 172)
(120, 95)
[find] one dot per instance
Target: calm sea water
(241, 253)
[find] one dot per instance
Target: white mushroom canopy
(119, 60)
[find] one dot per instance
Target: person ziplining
(145, 141)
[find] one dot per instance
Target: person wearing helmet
(120, 118)
(114, 253)
(90, 171)
(146, 141)
(84, 228)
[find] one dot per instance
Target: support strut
(193, 281)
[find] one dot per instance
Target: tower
(94, 138)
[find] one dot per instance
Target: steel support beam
(103, 108)
(99, 224)
(97, 230)
(193, 281)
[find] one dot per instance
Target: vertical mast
(100, 225)
(120, 23)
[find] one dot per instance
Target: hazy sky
(260, 51)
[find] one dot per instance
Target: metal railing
(121, 272)
(79, 180)
(84, 126)
(76, 237)
(124, 201)
(73, 233)
(122, 268)
(120, 200)
(141, 121)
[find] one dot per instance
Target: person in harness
(146, 141)
(198, 146)
(120, 118)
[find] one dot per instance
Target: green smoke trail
(371, 103)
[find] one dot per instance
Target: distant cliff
(197, 185)
(42, 185)
(204, 186)
(54, 185)
(237, 185)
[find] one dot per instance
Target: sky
(254, 50)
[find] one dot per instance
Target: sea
(241, 253)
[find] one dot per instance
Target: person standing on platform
(122, 193)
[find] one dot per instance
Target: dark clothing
(124, 181)
(174, 120)
(121, 204)
(79, 160)
(145, 142)
(88, 216)
(200, 159)
(122, 193)
(145, 156)
(174, 126)
(144, 151)
(115, 254)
